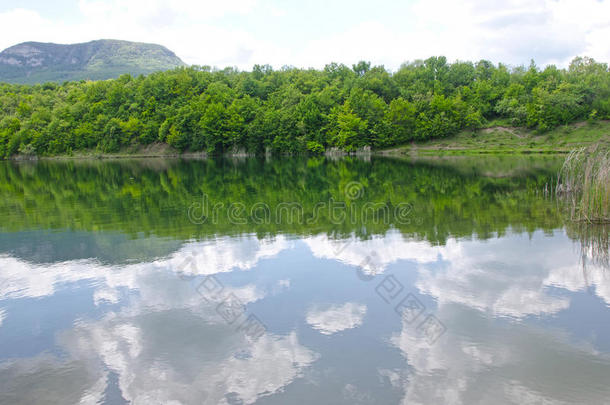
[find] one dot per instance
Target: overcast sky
(313, 33)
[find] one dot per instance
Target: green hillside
(37, 62)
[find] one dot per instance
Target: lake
(356, 280)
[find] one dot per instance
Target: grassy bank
(504, 139)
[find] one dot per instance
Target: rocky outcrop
(37, 62)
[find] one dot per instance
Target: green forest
(294, 111)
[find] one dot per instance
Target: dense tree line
(296, 110)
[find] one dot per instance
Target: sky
(313, 33)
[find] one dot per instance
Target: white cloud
(225, 254)
(19, 278)
(155, 363)
(211, 364)
(187, 27)
(187, 370)
(487, 276)
(212, 33)
(375, 254)
(509, 276)
(336, 318)
(513, 31)
(12, 30)
(478, 361)
(593, 276)
(159, 11)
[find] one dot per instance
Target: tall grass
(584, 184)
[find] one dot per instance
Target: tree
(351, 129)
(361, 67)
(401, 119)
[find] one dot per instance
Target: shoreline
(383, 153)
(493, 140)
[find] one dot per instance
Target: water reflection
(27, 279)
(483, 361)
(162, 336)
(336, 318)
(100, 314)
(594, 243)
(209, 364)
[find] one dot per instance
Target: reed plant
(584, 184)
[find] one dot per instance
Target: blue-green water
(298, 281)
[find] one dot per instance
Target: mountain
(38, 62)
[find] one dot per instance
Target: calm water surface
(295, 281)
